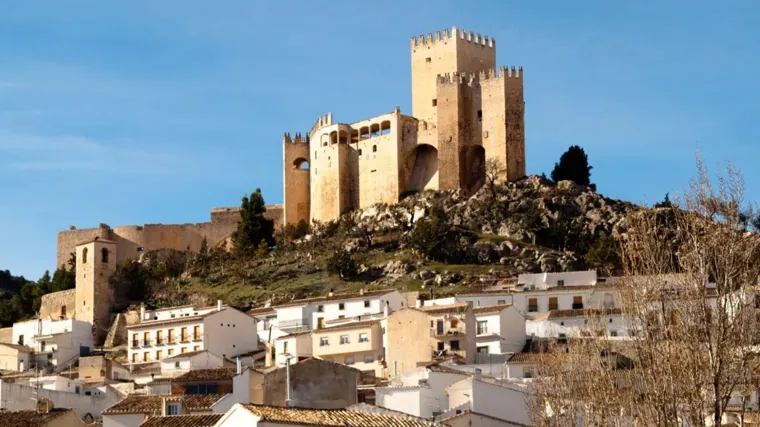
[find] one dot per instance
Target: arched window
(374, 130)
(301, 163)
(385, 127)
(63, 312)
(84, 256)
(364, 133)
(104, 255)
(374, 148)
(343, 137)
(333, 137)
(325, 139)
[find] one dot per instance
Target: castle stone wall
(376, 163)
(52, 304)
(296, 179)
(160, 236)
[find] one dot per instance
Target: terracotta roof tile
(186, 354)
(347, 326)
(96, 239)
(154, 323)
(526, 358)
(439, 309)
(25, 348)
(145, 368)
(151, 404)
(490, 309)
(205, 420)
(221, 374)
(336, 297)
(293, 334)
(29, 418)
(436, 367)
(332, 418)
(589, 312)
(261, 310)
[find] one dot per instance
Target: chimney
(218, 305)
(478, 374)
(142, 312)
(331, 293)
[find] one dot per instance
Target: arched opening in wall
(422, 169)
(474, 168)
(301, 164)
(364, 133)
(325, 139)
(84, 256)
(104, 255)
(354, 136)
(374, 130)
(385, 127)
(333, 137)
(342, 137)
(63, 312)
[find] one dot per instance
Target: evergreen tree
(253, 228)
(665, 203)
(573, 165)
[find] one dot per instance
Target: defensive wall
(129, 239)
(58, 305)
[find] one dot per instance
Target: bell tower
(96, 262)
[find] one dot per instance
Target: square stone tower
(96, 262)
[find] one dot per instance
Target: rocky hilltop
(533, 225)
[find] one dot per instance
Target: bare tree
(689, 299)
(495, 172)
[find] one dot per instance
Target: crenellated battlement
(455, 32)
(323, 120)
(297, 138)
(474, 78)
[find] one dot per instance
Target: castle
(465, 111)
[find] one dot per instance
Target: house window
(84, 256)
(349, 360)
(197, 333)
(159, 355)
(363, 337)
(63, 311)
(341, 306)
(366, 304)
(482, 327)
(454, 323)
(435, 102)
(197, 347)
(324, 342)
(42, 346)
(171, 351)
(527, 373)
(577, 303)
(344, 339)
(428, 60)
(134, 357)
(21, 339)
(104, 255)
(532, 305)
(184, 350)
(613, 333)
(553, 303)
(560, 283)
(320, 309)
(483, 350)
(176, 365)
(172, 409)
(562, 337)
(146, 356)
(501, 302)
(369, 358)
(374, 148)
(440, 346)
(454, 344)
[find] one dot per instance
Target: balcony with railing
(447, 332)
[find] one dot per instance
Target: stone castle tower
(465, 110)
(96, 262)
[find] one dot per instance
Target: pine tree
(253, 228)
(573, 165)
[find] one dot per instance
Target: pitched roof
(154, 323)
(261, 310)
(29, 418)
(186, 354)
(557, 289)
(490, 309)
(347, 326)
(293, 334)
(151, 404)
(336, 297)
(440, 309)
(437, 367)
(526, 358)
(204, 420)
(470, 413)
(146, 368)
(25, 348)
(588, 312)
(330, 418)
(221, 374)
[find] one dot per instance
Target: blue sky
(155, 111)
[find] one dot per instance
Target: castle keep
(465, 111)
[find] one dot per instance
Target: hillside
(532, 225)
